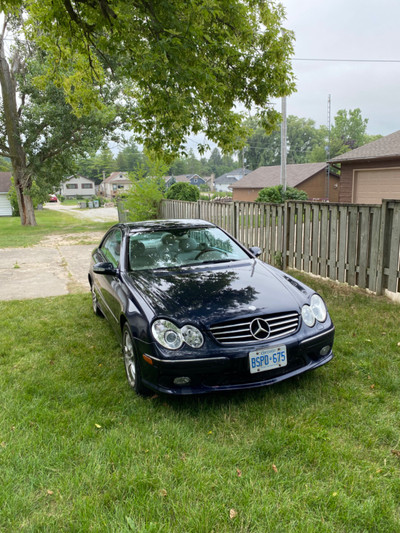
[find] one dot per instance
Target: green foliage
(183, 191)
(276, 195)
(148, 187)
(305, 142)
(180, 66)
(5, 165)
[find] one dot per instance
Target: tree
(183, 191)
(350, 128)
(129, 158)
(181, 66)
(347, 133)
(265, 150)
(38, 131)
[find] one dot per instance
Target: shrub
(276, 195)
(143, 198)
(183, 191)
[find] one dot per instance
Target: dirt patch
(70, 239)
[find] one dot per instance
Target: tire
(132, 367)
(95, 304)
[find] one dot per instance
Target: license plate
(268, 359)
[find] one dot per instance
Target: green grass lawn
(80, 452)
(13, 234)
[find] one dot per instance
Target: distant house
(309, 177)
(193, 179)
(5, 184)
(76, 186)
(371, 172)
(116, 183)
(223, 183)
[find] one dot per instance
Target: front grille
(238, 331)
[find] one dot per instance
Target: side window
(111, 247)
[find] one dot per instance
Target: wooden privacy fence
(354, 244)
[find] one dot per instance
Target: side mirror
(255, 250)
(106, 269)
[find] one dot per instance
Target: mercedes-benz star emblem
(259, 328)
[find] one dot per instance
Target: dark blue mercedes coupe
(196, 312)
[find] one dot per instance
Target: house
(76, 186)
(5, 184)
(223, 183)
(116, 182)
(193, 179)
(309, 177)
(371, 172)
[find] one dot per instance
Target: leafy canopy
(181, 66)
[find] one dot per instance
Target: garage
(370, 173)
(371, 186)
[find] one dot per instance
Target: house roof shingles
(383, 148)
(271, 176)
(117, 176)
(5, 181)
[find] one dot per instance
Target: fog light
(325, 350)
(182, 381)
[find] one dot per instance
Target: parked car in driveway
(196, 312)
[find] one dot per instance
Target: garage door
(372, 186)
(5, 206)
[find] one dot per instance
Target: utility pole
(283, 143)
(328, 148)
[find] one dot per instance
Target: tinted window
(173, 248)
(111, 247)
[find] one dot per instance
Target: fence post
(384, 242)
(285, 240)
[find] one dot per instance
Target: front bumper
(229, 373)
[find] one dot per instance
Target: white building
(5, 184)
(78, 186)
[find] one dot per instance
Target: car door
(109, 285)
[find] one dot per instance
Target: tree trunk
(22, 179)
(25, 204)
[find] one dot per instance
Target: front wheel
(132, 368)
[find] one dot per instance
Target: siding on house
(78, 186)
(5, 184)
(5, 206)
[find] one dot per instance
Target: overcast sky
(346, 29)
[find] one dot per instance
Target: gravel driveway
(56, 266)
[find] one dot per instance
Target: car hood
(216, 293)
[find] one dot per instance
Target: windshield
(178, 247)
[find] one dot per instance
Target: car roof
(165, 225)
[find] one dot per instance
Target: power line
(332, 60)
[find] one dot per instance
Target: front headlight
(167, 334)
(315, 311)
(318, 308)
(170, 336)
(308, 316)
(192, 336)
